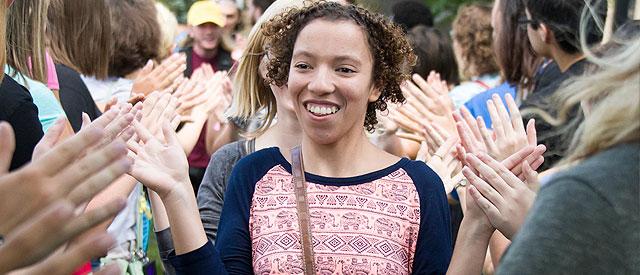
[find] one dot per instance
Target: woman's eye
(302, 66)
(345, 70)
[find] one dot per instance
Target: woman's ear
(374, 94)
(544, 33)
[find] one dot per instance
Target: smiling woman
(370, 212)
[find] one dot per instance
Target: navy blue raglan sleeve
(232, 253)
(434, 247)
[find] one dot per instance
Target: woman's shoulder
(13, 95)
(258, 163)
(611, 175)
(422, 175)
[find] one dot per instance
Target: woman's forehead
(342, 38)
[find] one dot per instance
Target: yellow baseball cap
(205, 11)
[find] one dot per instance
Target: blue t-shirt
(394, 220)
(478, 104)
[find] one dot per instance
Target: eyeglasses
(524, 22)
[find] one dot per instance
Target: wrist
(476, 230)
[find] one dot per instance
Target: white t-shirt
(103, 90)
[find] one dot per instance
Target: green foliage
(445, 10)
(179, 7)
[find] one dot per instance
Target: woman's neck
(284, 134)
(352, 155)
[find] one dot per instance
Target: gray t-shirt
(586, 220)
(210, 195)
(214, 184)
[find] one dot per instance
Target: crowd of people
(319, 137)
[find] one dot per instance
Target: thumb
(147, 68)
(169, 134)
(7, 146)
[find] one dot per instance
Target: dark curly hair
(393, 57)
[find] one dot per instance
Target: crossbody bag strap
(302, 206)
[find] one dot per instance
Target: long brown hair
(514, 55)
(79, 35)
(26, 38)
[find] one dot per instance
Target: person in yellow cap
(206, 22)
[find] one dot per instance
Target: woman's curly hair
(473, 32)
(393, 57)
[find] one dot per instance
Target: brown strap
(302, 206)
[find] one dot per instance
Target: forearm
(217, 137)
(160, 219)
(190, 132)
(498, 244)
(186, 228)
(470, 250)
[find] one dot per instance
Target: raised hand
(510, 134)
(70, 171)
(30, 243)
(160, 165)
(161, 77)
(443, 162)
(503, 197)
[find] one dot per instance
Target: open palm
(162, 167)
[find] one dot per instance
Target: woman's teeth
(321, 110)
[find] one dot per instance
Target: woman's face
(331, 79)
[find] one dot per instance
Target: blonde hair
(26, 21)
(613, 94)
(168, 28)
(253, 95)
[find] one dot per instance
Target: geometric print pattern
(368, 228)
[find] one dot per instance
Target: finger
(127, 134)
(485, 188)
(504, 115)
(446, 149)
(532, 138)
(423, 152)
(100, 180)
(434, 135)
(142, 132)
(530, 175)
(29, 243)
(496, 121)
(516, 118)
(170, 134)
(68, 261)
(507, 176)
(106, 118)
(424, 86)
(492, 176)
(486, 136)
(471, 122)
(92, 218)
(419, 94)
(175, 122)
(86, 120)
(7, 146)
(149, 103)
(516, 159)
(68, 178)
(52, 136)
(114, 129)
(489, 209)
(65, 153)
(533, 157)
(412, 137)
